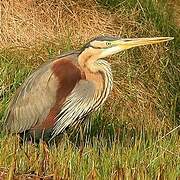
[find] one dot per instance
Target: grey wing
(78, 104)
(32, 102)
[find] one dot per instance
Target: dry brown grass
(24, 23)
(176, 13)
(137, 95)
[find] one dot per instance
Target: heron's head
(103, 46)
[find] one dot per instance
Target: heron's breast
(97, 79)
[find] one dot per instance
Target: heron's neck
(91, 64)
(99, 72)
(87, 60)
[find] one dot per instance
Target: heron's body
(51, 95)
(65, 90)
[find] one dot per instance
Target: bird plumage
(58, 94)
(65, 90)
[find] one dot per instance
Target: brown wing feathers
(38, 101)
(68, 75)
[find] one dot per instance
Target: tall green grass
(140, 157)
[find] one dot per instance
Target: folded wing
(45, 89)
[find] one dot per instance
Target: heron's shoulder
(67, 61)
(71, 55)
(66, 58)
(67, 67)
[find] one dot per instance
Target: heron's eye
(108, 43)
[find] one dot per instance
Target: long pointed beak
(134, 42)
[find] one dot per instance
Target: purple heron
(63, 91)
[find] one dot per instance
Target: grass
(135, 135)
(141, 157)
